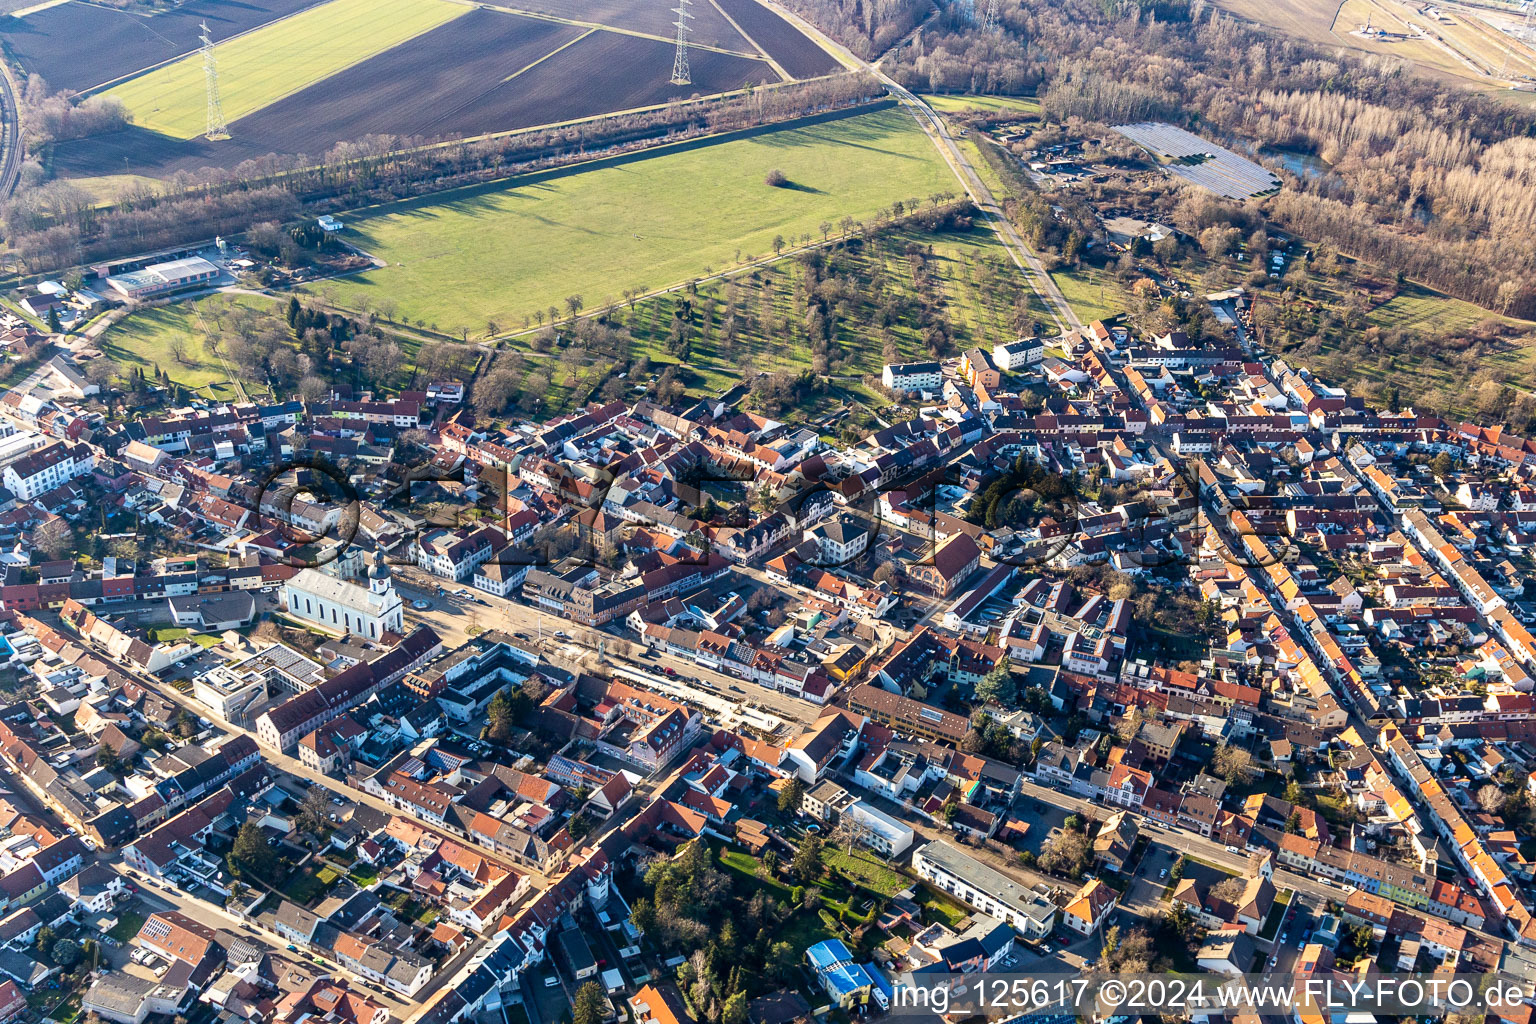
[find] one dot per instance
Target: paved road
(1023, 256)
(160, 896)
(1315, 890)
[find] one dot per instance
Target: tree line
(56, 224)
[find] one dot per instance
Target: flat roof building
(160, 278)
(984, 888)
(882, 833)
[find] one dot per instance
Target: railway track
(10, 135)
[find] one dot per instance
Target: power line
(680, 74)
(217, 128)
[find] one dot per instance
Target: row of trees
(58, 225)
(54, 221)
(867, 27)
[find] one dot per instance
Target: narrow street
(159, 896)
(292, 766)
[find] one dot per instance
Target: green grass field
(865, 868)
(128, 925)
(265, 65)
(940, 907)
(1415, 307)
(950, 104)
(497, 253)
(146, 339)
(108, 188)
(973, 290)
(1092, 293)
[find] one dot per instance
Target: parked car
(550, 981)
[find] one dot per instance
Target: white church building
(341, 606)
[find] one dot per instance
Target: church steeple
(379, 581)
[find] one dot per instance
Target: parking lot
(1041, 817)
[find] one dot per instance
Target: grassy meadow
(946, 103)
(146, 339)
(495, 254)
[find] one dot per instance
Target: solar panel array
(1200, 162)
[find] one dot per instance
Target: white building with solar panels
(163, 278)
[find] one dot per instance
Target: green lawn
(804, 929)
(271, 62)
(128, 925)
(68, 1010)
(306, 887)
(498, 253)
(364, 874)
(946, 104)
(866, 869)
(1092, 293)
(941, 907)
(747, 866)
(1276, 915)
(147, 338)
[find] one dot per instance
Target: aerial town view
(767, 511)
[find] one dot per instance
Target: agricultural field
(707, 27)
(299, 77)
(1461, 45)
(263, 66)
(498, 253)
(483, 72)
(778, 39)
(51, 42)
